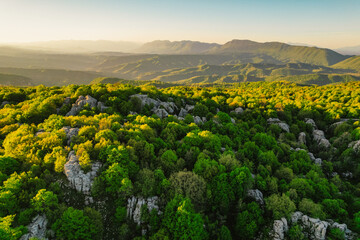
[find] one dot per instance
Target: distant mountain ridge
(279, 51)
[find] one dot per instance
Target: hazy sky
(326, 23)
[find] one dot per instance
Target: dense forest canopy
(115, 161)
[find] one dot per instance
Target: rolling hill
(350, 63)
(15, 80)
(281, 51)
(177, 47)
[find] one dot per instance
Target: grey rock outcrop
(189, 108)
(161, 113)
(238, 110)
(284, 126)
(256, 195)
(70, 133)
(183, 113)
(311, 122)
(198, 120)
(355, 145)
(317, 161)
(319, 137)
(78, 179)
(4, 103)
(316, 229)
(302, 138)
(280, 227)
(101, 106)
(80, 103)
(37, 228)
(134, 207)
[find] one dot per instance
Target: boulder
(238, 110)
(295, 217)
(280, 227)
(161, 113)
(145, 100)
(302, 138)
(355, 145)
(134, 207)
(80, 103)
(4, 103)
(189, 108)
(319, 137)
(198, 120)
(101, 106)
(282, 125)
(70, 133)
(78, 179)
(256, 195)
(316, 227)
(183, 113)
(37, 228)
(311, 122)
(169, 106)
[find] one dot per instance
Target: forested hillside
(113, 161)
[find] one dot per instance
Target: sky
(324, 23)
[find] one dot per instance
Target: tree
(314, 210)
(249, 221)
(7, 232)
(74, 224)
(44, 201)
(280, 206)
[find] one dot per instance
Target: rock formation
(37, 228)
(70, 133)
(134, 207)
(311, 122)
(319, 137)
(79, 180)
(282, 125)
(280, 227)
(256, 195)
(80, 103)
(302, 138)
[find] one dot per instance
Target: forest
(261, 160)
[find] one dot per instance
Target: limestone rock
(78, 179)
(238, 110)
(145, 100)
(279, 228)
(134, 207)
(37, 228)
(70, 133)
(311, 122)
(4, 103)
(161, 113)
(80, 103)
(197, 120)
(183, 113)
(101, 106)
(355, 145)
(257, 195)
(296, 216)
(189, 108)
(319, 137)
(282, 125)
(302, 138)
(316, 227)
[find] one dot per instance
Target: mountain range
(183, 62)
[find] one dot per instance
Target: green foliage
(280, 206)
(44, 201)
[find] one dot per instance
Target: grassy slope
(350, 63)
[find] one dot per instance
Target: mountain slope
(281, 51)
(14, 80)
(177, 47)
(350, 63)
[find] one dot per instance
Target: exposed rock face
(183, 113)
(189, 108)
(162, 109)
(319, 137)
(78, 179)
(317, 161)
(80, 103)
(302, 138)
(257, 195)
(37, 228)
(311, 122)
(101, 106)
(4, 103)
(134, 207)
(316, 227)
(70, 133)
(349, 235)
(238, 110)
(198, 120)
(282, 125)
(233, 120)
(161, 113)
(355, 145)
(280, 227)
